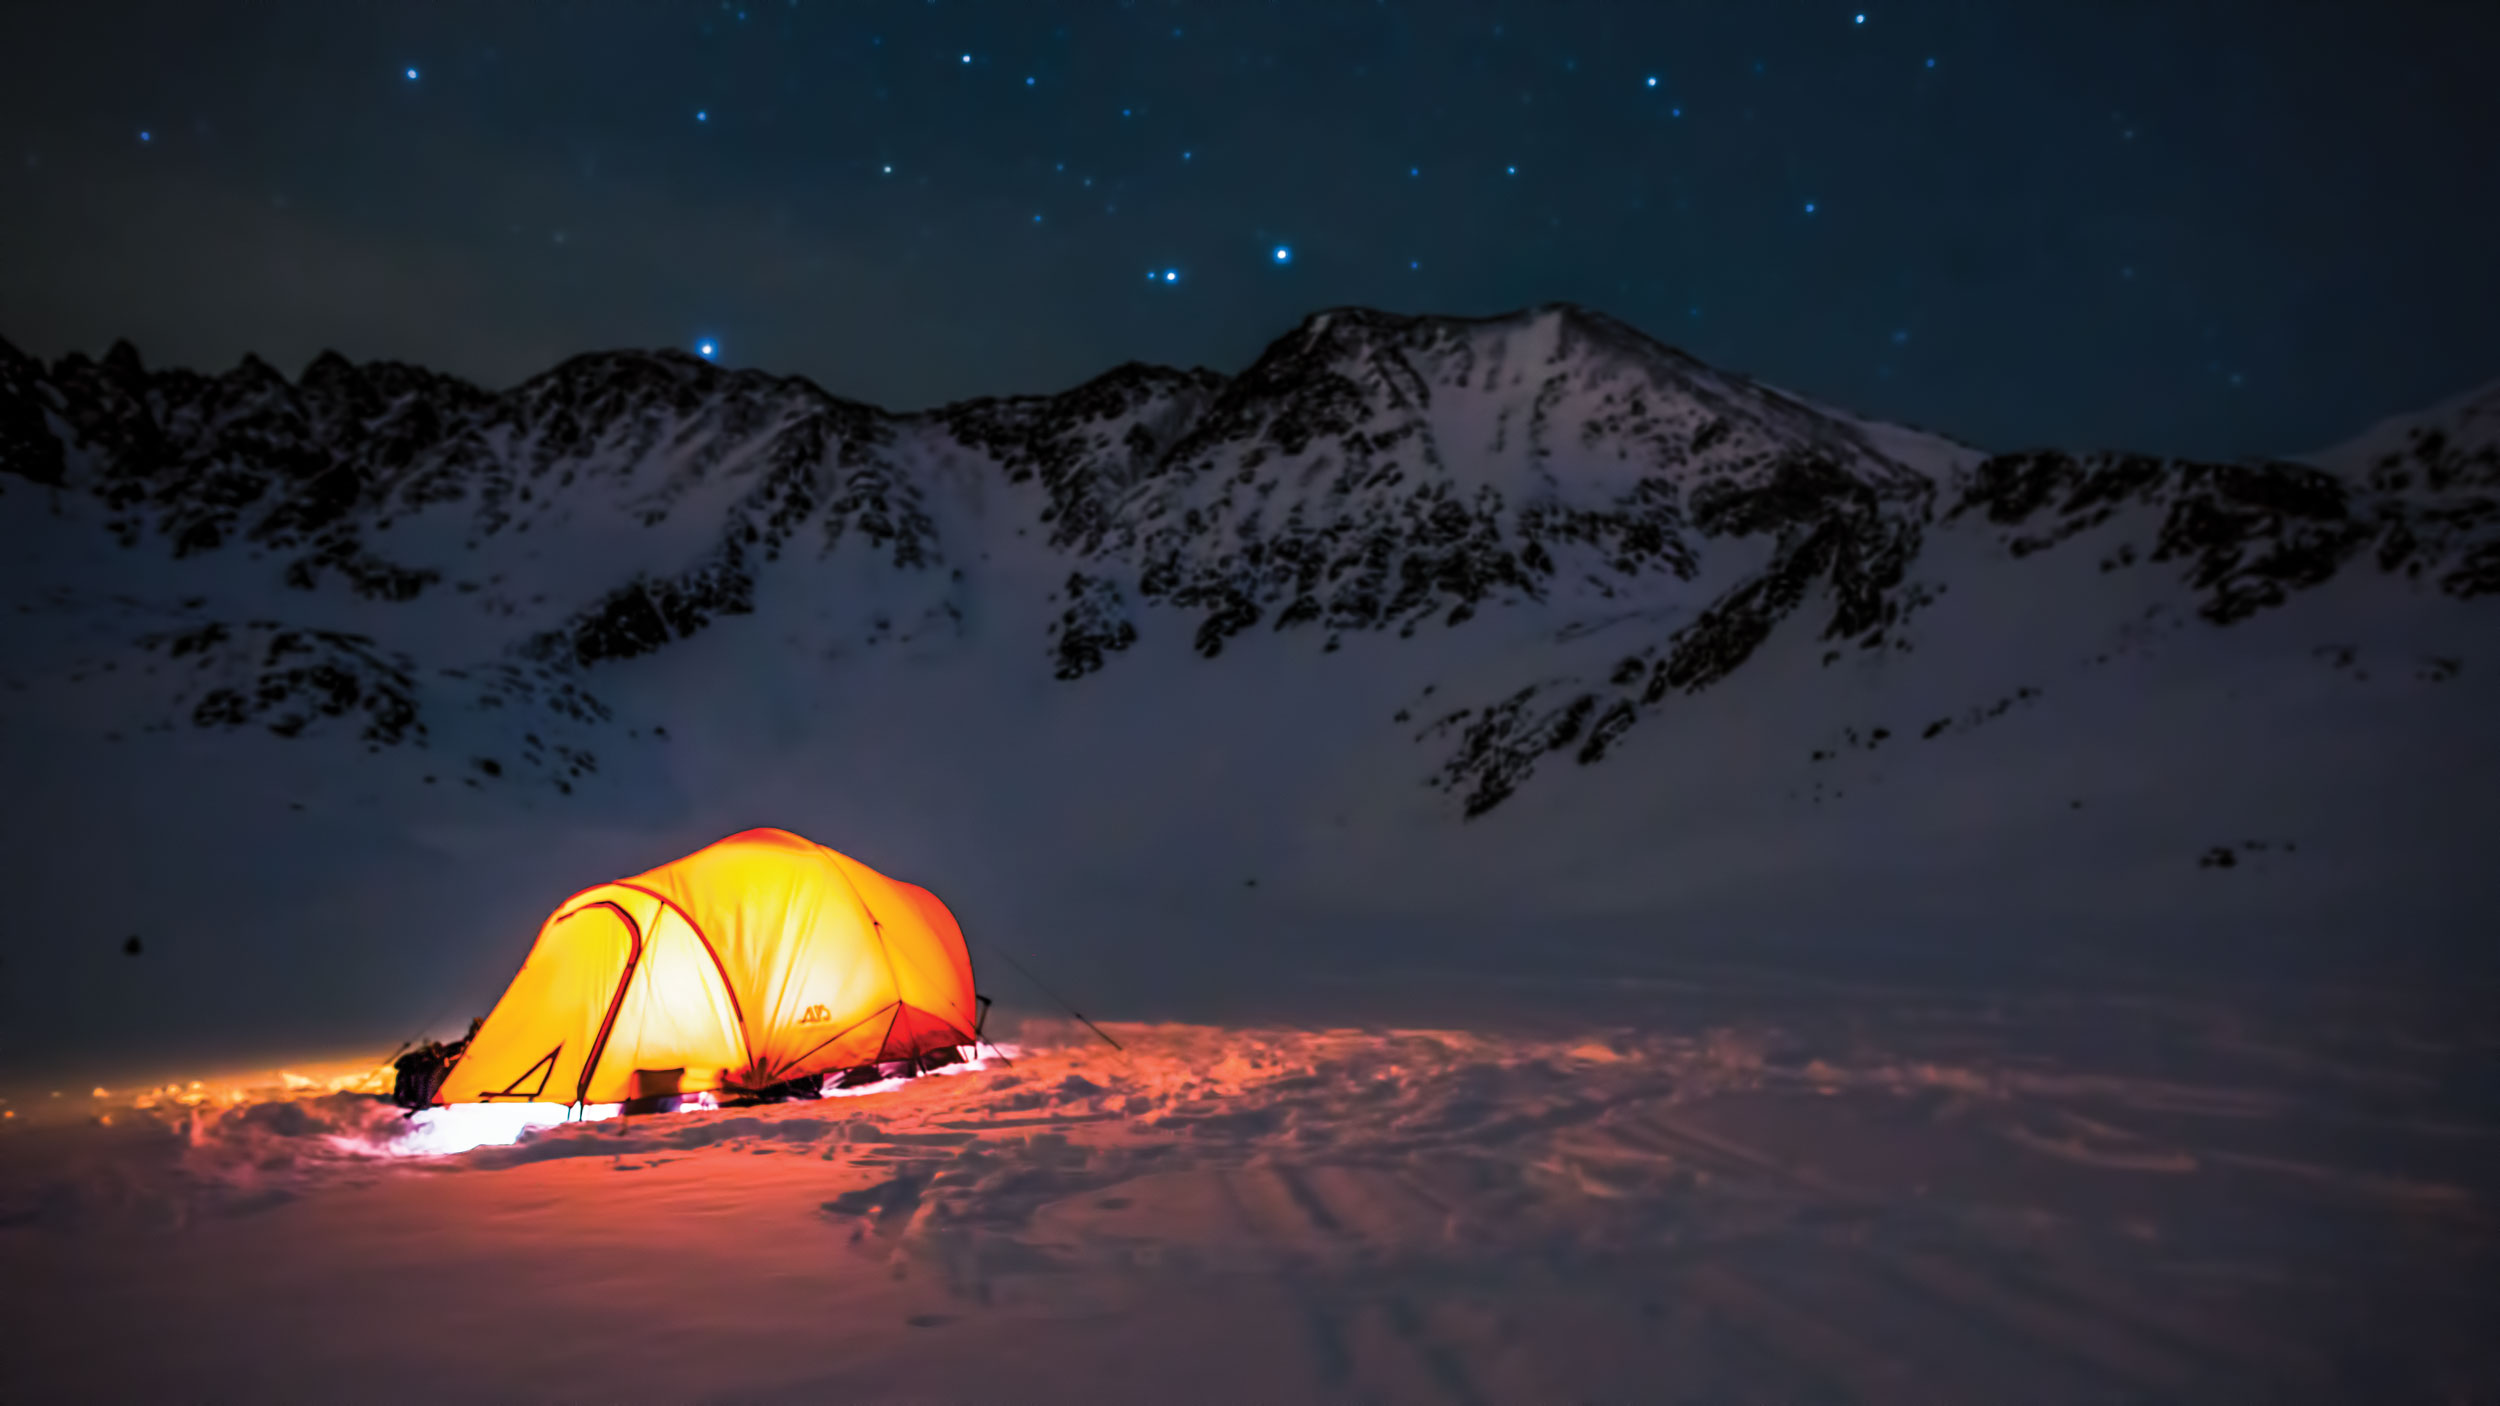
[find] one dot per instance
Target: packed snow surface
(1767, 1190)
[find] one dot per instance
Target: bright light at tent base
(440, 1132)
(451, 1129)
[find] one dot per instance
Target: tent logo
(816, 1015)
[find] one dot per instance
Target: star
(702, 116)
(146, 137)
(1284, 254)
(1653, 82)
(412, 75)
(1861, 19)
(1809, 207)
(707, 349)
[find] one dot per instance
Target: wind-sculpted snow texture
(1756, 1193)
(1369, 476)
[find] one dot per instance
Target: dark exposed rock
(1496, 749)
(1094, 624)
(646, 613)
(290, 680)
(1328, 487)
(28, 448)
(2247, 535)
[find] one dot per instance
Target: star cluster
(2020, 224)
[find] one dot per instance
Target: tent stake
(980, 1022)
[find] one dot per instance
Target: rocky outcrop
(1368, 474)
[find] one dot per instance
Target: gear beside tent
(748, 966)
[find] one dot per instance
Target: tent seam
(893, 977)
(746, 1042)
(616, 1003)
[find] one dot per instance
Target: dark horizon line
(123, 347)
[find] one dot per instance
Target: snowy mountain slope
(1477, 625)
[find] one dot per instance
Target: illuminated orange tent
(750, 962)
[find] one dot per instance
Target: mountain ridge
(1433, 642)
(1369, 472)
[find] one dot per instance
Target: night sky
(2190, 227)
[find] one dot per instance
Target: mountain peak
(678, 376)
(253, 372)
(329, 369)
(121, 360)
(1371, 473)
(2455, 443)
(16, 364)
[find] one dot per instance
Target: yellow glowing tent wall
(761, 958)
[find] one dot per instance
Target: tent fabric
(760, 959)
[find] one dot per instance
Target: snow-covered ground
(1766, 1189)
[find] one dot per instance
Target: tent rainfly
(751, 962)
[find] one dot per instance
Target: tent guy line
(1009, 959)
